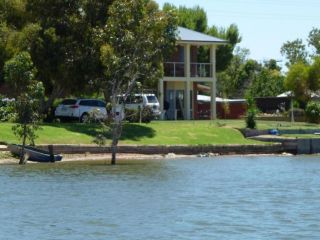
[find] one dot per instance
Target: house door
(175, 100)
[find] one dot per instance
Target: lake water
(206, 198)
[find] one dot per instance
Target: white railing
(203, 70)
(174, 69)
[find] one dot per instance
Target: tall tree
(297, 82)
(225, 52)
(20, 71)
(314, 75)
(294, 51)
(192, 18)
(136, 37)
(314, 39)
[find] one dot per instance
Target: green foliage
(225, 52)
(251, 112)
(19, 71)
(103, 133)
(27, 114)
(267, 83)
(313, 112)
(133, 115)
(192, 18)
(294, 51)
(6, 109)
(297, 81)
(245, 74)
(314, 39)
(314, 75)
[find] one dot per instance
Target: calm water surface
(207, 198)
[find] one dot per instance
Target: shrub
(6, 110)
(251, 113)
(133, 115)
(313, 112)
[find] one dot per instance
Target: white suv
(81, 109)
(142, 100)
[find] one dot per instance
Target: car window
(137, 99)
(84, 103)
(69, 102)
(152, 99)
(101, 104)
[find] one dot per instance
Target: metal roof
(187, 35)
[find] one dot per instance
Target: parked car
(142, 100)
(81, 109)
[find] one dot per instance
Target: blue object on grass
(273, 132)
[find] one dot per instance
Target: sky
(264, 25)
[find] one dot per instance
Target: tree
(192, 18)
(225, 52)
(136, 37)
(314, 39)
(20, 70)
(294, 51)
(268, 80)
(297, 82)
(314, 75)
(267, 83)
(65, 54)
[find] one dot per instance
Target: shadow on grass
(135, 132)
(132, 132)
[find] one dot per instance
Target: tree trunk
(116, 133)
(56, 93)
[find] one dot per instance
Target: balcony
(197, 70)
(201, 70)
(174, 69)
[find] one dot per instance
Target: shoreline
(89, 157)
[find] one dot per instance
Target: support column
(214, 82)
(187, 74)
(161, 97)
(187, 61)
(187, 100)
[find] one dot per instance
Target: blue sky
(264, 24)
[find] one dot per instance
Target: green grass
(155, 133)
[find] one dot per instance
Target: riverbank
(78, 153)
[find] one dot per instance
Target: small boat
(34, 154)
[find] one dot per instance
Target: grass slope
(155, 133)
(160, 133)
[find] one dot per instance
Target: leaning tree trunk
(116, 133)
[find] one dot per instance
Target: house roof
(187, 35)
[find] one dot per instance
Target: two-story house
(191, 66)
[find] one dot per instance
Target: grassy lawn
(157, 132)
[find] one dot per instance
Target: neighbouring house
(226, 108)
(185, 72)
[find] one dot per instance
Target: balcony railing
(174, 69)
(202, 70)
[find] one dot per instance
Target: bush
(6, 109)
(251, 113)
(133, 115)
(313, 112)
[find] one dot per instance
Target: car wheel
(84, 118)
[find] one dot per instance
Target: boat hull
(34, 154)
